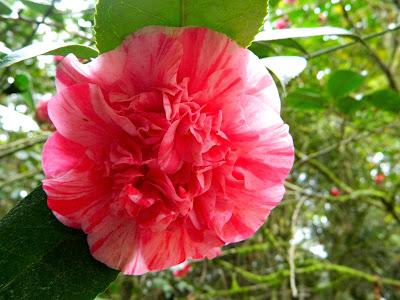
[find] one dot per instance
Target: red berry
(379, 178)
(334, 192)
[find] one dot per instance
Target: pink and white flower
(166, 149)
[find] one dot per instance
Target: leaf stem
(336, 48)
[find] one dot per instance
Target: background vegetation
(336, 234)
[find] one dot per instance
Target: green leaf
(23, 83)
(343, 82)
(42, 259)
(43, 9)
(47, 49)
(290, 43)
(264, 48)
(285, 67)
(305, 99)
(349, 105)
(37, 7)
(4, 9)
(282, 34)
(238, 19)
(387, 100)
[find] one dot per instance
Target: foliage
(41, 252)
(343, 112)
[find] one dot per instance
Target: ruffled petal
(121, 245)
(105, 70)
(251, 209)
(60, 155)
(81, 115)
(152, 59)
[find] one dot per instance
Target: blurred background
(336, 234)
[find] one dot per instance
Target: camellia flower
(166, 149)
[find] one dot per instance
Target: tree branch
(21, 144)
(336, 48)
(275, 277)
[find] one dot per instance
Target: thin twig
(35, 29)
(292, 248)
(21, 144)
(19, 177)
(336, 48)
(344, 142)
(35, 22)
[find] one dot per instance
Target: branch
(21, 144)
(272, 278)
(292, 248)
(35, 29)
(233, 291)
(245, 249)
(326, 172)
(367, 194)
(336, 48)
(35, 22)
(19, 177)
(345, 142)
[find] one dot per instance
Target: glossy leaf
(282, 34)
(343, 82)
(4, 9)
(285, 67)
(386, 99)
(265, 48)
(43, 259)
(238, 19)
(47, 49)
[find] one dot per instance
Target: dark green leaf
(37, 7)
(264, 48)
(343, 82)
(290, 43)
(386, 99)
(43, 9)
(291, 33)
(23, 83)
(47, 49)
(238, 19)
(273, 3)
(42, 259)
(305, 99)
(348, 105)
(4, 9)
